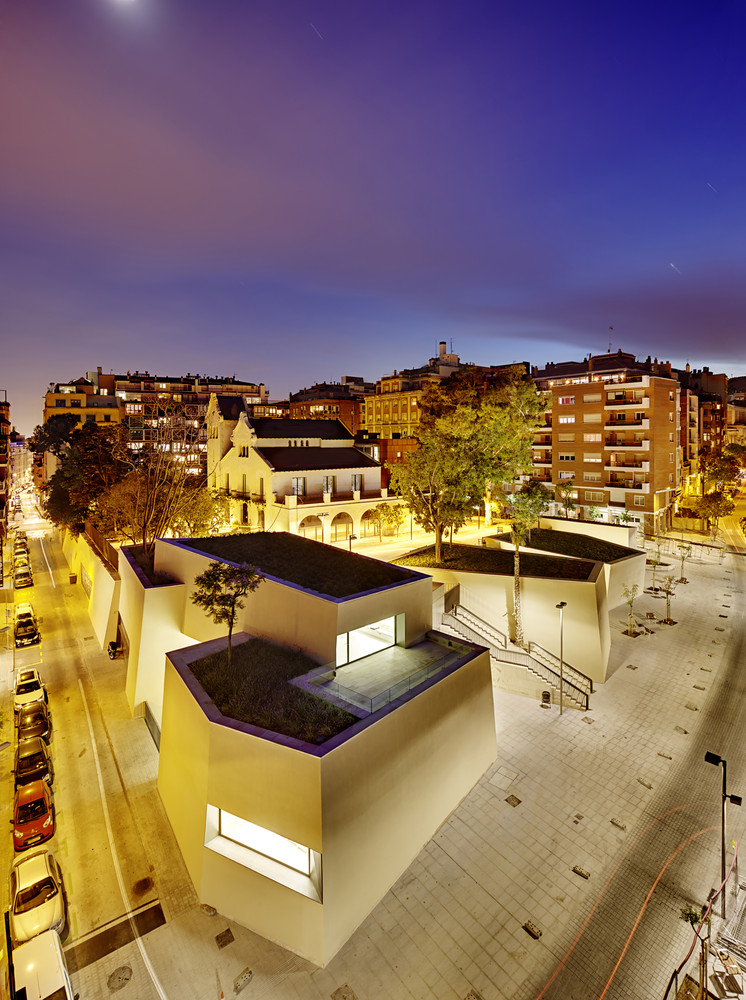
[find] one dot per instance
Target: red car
(33, 815)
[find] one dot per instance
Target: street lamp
(351, 539)
(561, 607)
(716, 759)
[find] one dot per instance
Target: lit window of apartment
(567, 420)
(592, 456)
(639, 501)
(568, 457)
(566, 400)
(670, 457)
(592, 477)
(133, 407)
(357, 481)
(591, 495)
(670, 396)
(592, 437)
(327, 484)
(670, 477)
(670, 436)
(670, 417)
(566, 475)
(298, 486)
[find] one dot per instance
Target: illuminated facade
(612, 428)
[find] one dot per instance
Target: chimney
(442, 351)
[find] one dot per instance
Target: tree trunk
(230, 635)
(518, 623)
(438, 542)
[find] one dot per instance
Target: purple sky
(293, 191)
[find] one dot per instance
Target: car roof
(28, 674)
(24, 608)
(33, 867)
(31, 792)
(31, 746)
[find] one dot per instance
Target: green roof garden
(477, 559)
(300, 561)
(256, 689)
(566, 543)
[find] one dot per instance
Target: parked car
(25, 630)
(33, 815)
(40, 970)
(34, 720)
(29, 688)
(37, 897)
(22, 577)
(32, 762)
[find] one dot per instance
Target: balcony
(627, 484)
(612, 441)
(542, 462)
(643, 424)
(641, 403)
(642, 466)
(543, 441)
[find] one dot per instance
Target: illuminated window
(590, 495)
(592, 437)
(275, 857)
(567, 420)
(566, 400)
(639, 501)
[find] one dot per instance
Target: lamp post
(561, 607)
(351, 539)
(716, 759)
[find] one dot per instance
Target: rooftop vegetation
(473, 559)
(255, 689)
(566, 543)
(297, 560)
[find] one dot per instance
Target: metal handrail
(481, 624)
(583, 680)
(520, 657)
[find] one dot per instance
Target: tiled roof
(307, 459)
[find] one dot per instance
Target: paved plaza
(571, 792)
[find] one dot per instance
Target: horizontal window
(592, 477)
(567, 458)
(592, 418)
(591, 495)
(639, 501)
(566, 400)
(592, 456)
(565, 438)
(566, 420)
(567, 475)
(592, 397)
(592, 437)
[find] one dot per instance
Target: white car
(37, 897)
(29, 688)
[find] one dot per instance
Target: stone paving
(452, 926)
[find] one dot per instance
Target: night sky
(293, 191)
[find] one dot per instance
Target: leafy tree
(625, 517)
(387, 516)
(717, 470)
(713, 506)
(564, 494)
(655, 560)
(469, 439)
(593, 513)
(203, 512)
(219, 591)
(737, 451)
(630, 593)
(525, 508)
(54, 435)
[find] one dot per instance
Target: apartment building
(332, 401)
(5, 478)
(612, 428)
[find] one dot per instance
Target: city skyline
(293, 193)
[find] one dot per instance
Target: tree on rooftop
(219, 591)
(525, 508)
(470, 439)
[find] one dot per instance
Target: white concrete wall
(103, 600)
(368, 803)
(387, 791)
(619, 534)
(152, 617)
(587, 640)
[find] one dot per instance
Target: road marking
(44, 553)
(112, 847)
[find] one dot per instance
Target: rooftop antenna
(611, 330)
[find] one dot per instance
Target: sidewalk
(452, 926)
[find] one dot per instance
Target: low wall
(587, 640)
(619, 534)
(100, 583)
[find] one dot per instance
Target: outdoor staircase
(536, 660)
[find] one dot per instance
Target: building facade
(612, 429)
